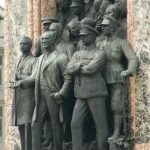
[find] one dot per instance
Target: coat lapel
(49, 60)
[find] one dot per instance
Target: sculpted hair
(28, 39)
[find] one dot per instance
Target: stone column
(139, 36)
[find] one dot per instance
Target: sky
(2, 3)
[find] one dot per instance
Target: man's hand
(77, 67)
(126, 73)
(84, 69)
(15, 84)
(58, 97)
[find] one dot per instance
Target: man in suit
(89, 89)
(24, 98)
(121, 63)
(49, 78)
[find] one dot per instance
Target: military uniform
(90, 92)
(121, 62)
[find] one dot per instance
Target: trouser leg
(53, 109)
(22, 136)
(98, 110)
(37, 127)
(117, 109)
(79, 113)
(48, 135)
(28, 137)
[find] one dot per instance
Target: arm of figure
(30, 69)
(70, 51)
(63, 61)
(74, 65)
(97, 63)
(132, 59)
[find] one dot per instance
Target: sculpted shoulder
(61, 56)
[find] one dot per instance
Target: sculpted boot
(117, 127)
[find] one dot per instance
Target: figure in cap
(121, 62)
(90, 91)
(46, 22)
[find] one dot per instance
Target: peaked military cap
(110, 21)
(77, 3)
(88, 21)
(86, 29)
(49, 20)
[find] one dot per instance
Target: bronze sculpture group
(83, 62)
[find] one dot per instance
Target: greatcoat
(23, 102)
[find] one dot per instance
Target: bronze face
(25, 45)
(47, 40)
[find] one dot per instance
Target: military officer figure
(24, 98)
(117, 51)
(89, 89)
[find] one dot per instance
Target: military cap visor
(105, 22)
(49, 20)
(75, 3)
(110, 21)
(85, 29)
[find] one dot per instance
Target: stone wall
(139, 32)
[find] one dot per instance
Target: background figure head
(122, 7)
(56, 29)
(63, 4)
(97, 4)
(74, 28)
(25, 44)
(47, 21)
(109, 25)
(112, 11)
(88, 21)
(77, 7)
(88, 35)
(47, 41)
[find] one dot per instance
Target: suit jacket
(53, 72)
(119, 57)
(88, 82)
(23, 104)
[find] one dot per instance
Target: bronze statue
(24, 98)
(37, 51)
(117, 51)
(50, 78)
(89, 89)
